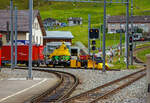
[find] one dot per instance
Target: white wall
(37, 36)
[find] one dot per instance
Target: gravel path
(16, 73)
(89, 79)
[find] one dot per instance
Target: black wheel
(27, 64)
(65, 65)
(33, 64)
(54, 65)
(3, 64)
(85, 66)
(37, 64)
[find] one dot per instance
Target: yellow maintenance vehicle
(60, 56)
(88, 62)
(63, 57)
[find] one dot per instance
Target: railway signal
(93, 42)
(131, 49)
(131, 43)
(93, 33)
(93, 47)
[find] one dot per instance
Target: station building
(23, 26)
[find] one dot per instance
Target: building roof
(59, 35)
(122, 19)
(23, 20)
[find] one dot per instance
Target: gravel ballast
(89, 79)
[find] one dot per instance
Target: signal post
(93, 34)
(131, 48)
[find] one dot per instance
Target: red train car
(23, 54)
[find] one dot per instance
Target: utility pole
(16, 24)
(89, 26)
(132, 31)
(8, 33)
(126, 34)
(120, 38)
(104, 32)
(12, 37)
(100, 35)
(30, 38)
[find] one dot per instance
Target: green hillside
(63, 10)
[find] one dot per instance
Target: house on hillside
(116, 22)
(23, 26)
(74, 21)
(53, 39)
(49, 23)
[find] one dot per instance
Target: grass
(142, 54)
(145, 44)
(121, 64)
(80, 34)
(63, 10)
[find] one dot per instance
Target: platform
(18, 90)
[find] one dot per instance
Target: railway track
(106, 90)
(60, 91)
(68, 83)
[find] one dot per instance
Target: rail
(107, 89)
(60, 91)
